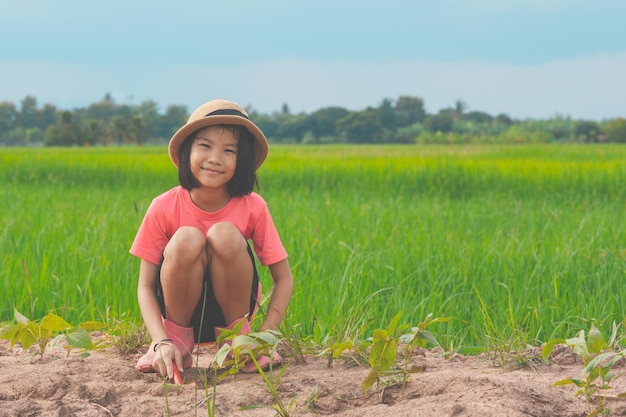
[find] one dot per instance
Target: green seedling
(598, 363)
(383, 352)
(250, 346)
(350, 349)
(241, 348)
(419, 336)
(236, 348)
(28, 333)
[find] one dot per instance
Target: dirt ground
(106, 384)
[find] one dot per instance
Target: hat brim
(260, 145)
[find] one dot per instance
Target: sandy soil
(106, 384)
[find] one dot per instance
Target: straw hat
(217, 112)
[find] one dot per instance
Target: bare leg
(182, 273)
(231, 270)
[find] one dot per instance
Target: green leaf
(244, 341)
(79, 338)
(394, 324)
(408, 337)
(268, 337)
(419, 337)
(229, 334)
(25, 337)
(593, 374)
(55, 323)
(92, 326)
(613, 338)
(54, 342)
(579, 344)
(595, 340)
(9, 331)
(371, 378)
(548, 348)
(222, 354)
(599, 360)
(379, 337)
(37, 331)
(20, 318)
(423, 325)
(566, 381)
(428, 336)
(440, 320)
(403, 327)
(338, 348)
(383, 352)
(16, 335)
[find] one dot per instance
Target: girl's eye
(230, 151)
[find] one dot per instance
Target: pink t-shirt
(174, 208)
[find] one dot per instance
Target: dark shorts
(208, 314)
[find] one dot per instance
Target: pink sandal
(183, 339)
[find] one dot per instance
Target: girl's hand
(166, 356)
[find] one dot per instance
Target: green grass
(502, 239)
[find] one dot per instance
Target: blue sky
(526, 58)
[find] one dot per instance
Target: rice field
(523, 242)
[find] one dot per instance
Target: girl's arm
(281, 294)
(151, 313)
(146, 295)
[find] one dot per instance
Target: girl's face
(213, 157)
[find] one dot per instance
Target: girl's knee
(187, 242)
(224, 238)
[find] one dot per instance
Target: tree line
(403, 120)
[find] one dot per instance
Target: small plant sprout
(419, 336)
(237, 348)
(383, 352)
(597, 362)
(336, 350)
(28, 333)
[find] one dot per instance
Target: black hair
(244, 180)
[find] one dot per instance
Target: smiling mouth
(211, 171)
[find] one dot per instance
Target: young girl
(197, 273)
